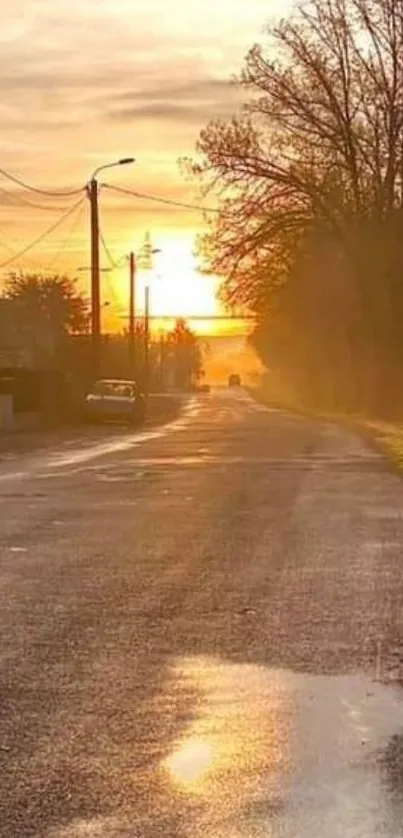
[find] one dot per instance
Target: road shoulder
(385, 437)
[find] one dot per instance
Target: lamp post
(92, 190)
(132, 310)
(146, 254)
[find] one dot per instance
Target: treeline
(310, 233)
(44, 325)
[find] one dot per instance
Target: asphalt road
(201, 633)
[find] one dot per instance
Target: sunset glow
(176, 286)
(81, 87)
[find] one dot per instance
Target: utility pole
(146, 262)
(92, 191)
(147, 340)
(132, 313)
(95, 278)
(162, 362)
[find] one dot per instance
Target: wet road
(201, 633)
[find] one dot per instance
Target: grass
(387, 436)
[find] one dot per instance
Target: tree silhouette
(42, 310)
(311, 192)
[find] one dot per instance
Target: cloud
(202, 87)
(171, 112)
(96, 60)
(86, 81)
(195, 102)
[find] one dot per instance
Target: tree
(184, 355)
(311, 185)
(44, 310)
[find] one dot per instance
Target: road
(201, 633)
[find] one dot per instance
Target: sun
(177, 289)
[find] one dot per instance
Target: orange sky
(87, 81)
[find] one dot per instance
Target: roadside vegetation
(310, 178)
(44, 325)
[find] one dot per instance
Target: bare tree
(311, 174)
(321, 137)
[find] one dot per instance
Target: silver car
(113, 400)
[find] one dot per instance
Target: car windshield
(116, 389)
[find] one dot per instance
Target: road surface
(201, 633)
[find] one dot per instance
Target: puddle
(267, 753)
(273, 754)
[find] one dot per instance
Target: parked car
(234, 380)
(113, 400)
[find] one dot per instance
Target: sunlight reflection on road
(118, 443)
(235, 756)
(272, 753)
(46, 464)
(190, 762)
(115, 444)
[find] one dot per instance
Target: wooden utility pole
(132, 313)
(147, 340)
(95, 277)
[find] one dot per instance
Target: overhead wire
(76, 218)
(6, 246)
(40, 238)
(160, 200)
(114, 263)
(54, 194)
(111, 292)
(8, 242)
(18, 200)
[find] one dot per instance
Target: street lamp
(124, 161)
(95, 269)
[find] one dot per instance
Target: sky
(85, 82)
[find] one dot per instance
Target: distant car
(203, 388)
(234, 380)
(115, 400)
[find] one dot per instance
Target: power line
(70, 234)
(43, 235)
(10, 247)
(156, 198)
(114, 264)
(24, 185)
(112, 261)
(18, 200)
(111, 292)
(201, 317)
(6, 246)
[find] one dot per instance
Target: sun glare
(190, 762)
(176, 286)
(177, 289)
